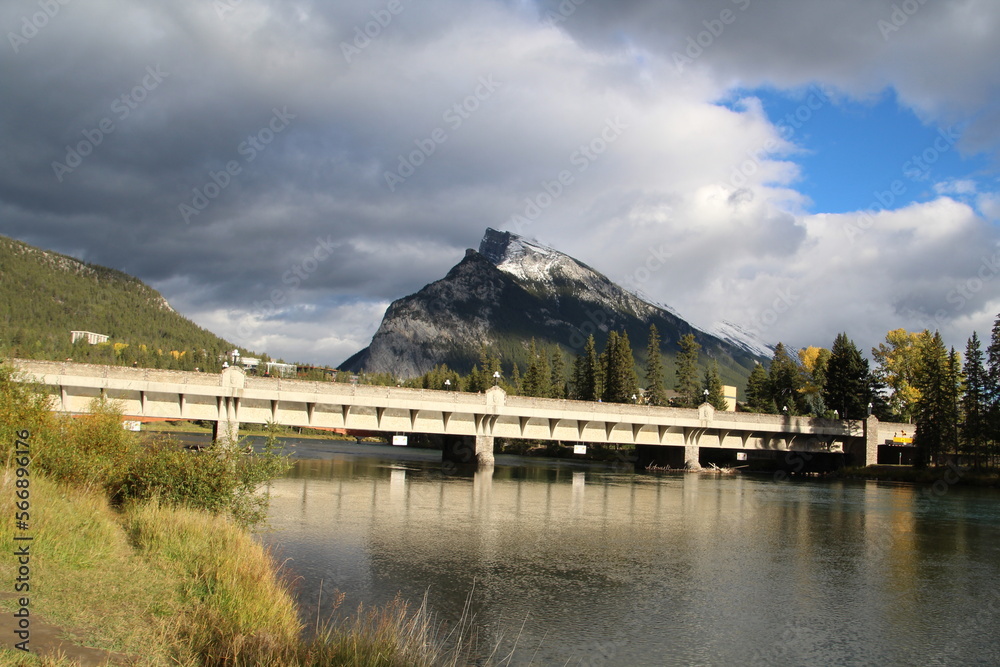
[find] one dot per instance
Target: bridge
(468, 422)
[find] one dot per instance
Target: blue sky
(852, 151)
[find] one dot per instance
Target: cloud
(281, 123)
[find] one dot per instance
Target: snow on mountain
(740, 337)
(547, 268)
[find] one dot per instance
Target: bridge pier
(870, 444)
(691, 456)
(467, 450)
(225, 432)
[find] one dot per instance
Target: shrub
(216, 479)
(91, 450)
(22, 408)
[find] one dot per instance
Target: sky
(282, 171)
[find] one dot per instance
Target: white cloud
(660, 172)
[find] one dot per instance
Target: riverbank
(948, 474)
(151, 585)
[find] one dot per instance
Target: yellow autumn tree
(814, 361)
(897, 362)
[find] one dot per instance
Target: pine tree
(557, 380)
(785, 380)
(934, 411)
(993, 393)
(758, 391)
(954, 387)
(848, 387)
(538, 376)
(686, 374)
(716, 397)
(515, 380)
(620, 381)
(655, 392)
(586, 373)
(975, 403)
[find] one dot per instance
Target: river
(571, 564)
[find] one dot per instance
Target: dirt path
(46, 639)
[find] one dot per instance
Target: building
(283, 370)
(89, 336)
(729, 392)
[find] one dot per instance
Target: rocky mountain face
(513, 290)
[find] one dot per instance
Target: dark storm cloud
(219, 150)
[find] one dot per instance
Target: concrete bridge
(469, 422)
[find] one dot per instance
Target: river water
(568, 564)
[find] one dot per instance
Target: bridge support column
(691, 454)
(870, 451)
(466, 450)
(225, 432)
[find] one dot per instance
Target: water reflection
(604, 567)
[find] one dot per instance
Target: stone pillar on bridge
(226, 428)
(484, 451)
(870, 451)
(691, 456)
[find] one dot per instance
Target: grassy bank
(174, 586)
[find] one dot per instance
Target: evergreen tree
(848, 387)
(935, 411)
(713, 385)
(538, 377)
(557, 380)
(954, 387)
(686, 375)
(758, 391)
(620, 381)
(785, 380)
(975, 403)
(586, 373)
(655, 392)
(474, 382)
(993, 393)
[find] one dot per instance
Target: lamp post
(706, 395)
(447, 385)
(496, 378)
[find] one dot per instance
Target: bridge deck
(232, 398)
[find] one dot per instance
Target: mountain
(513, 290)
(44, 295)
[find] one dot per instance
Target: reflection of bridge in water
(468, 422)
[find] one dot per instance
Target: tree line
(953, 405)
(610, 376)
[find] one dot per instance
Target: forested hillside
(45, 295)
